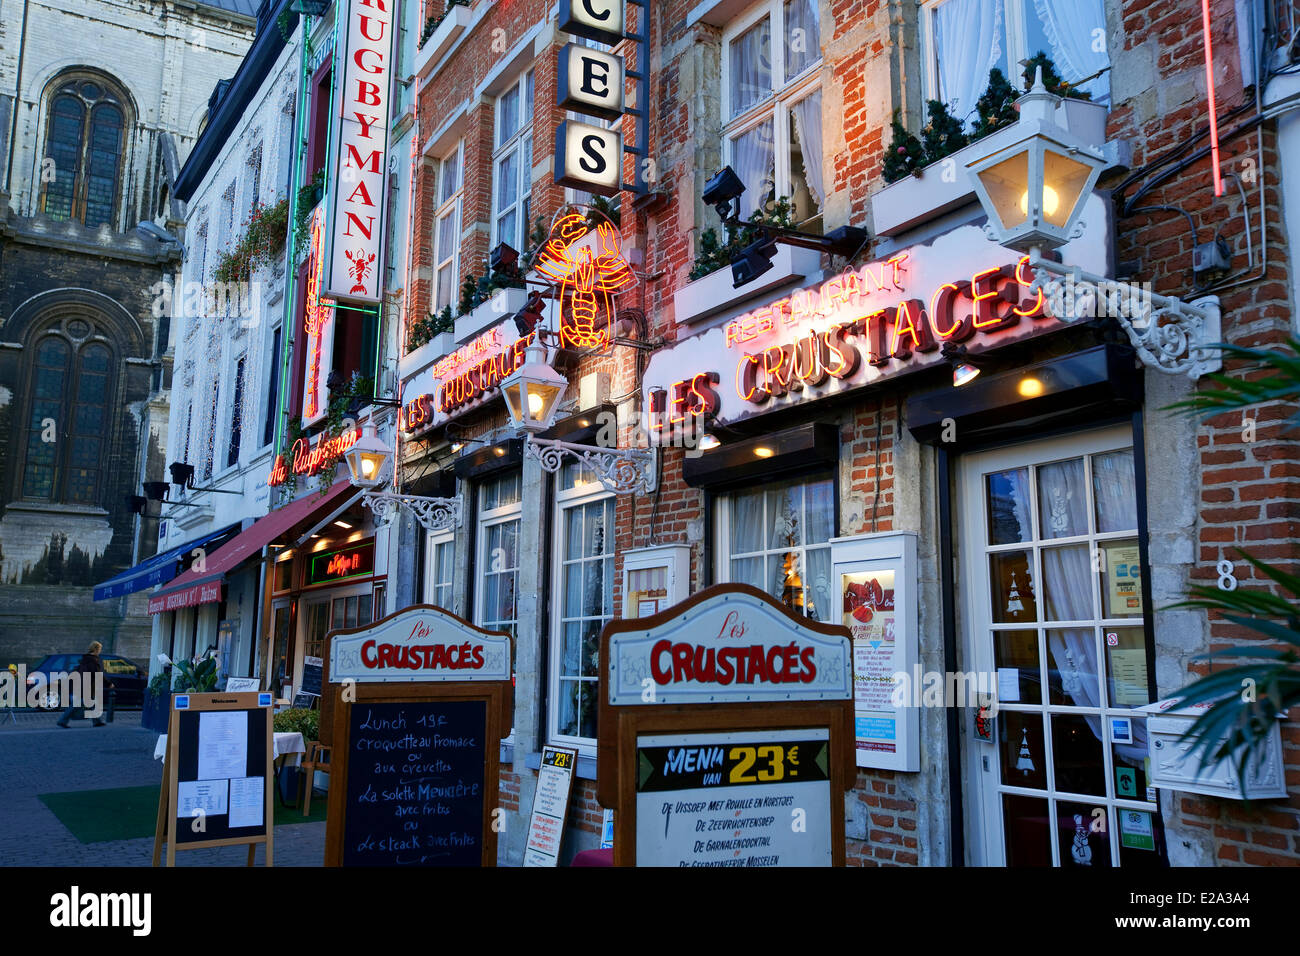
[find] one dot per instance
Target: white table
(289, 746)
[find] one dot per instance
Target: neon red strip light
(1209, 87)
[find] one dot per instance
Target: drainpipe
(18, 92)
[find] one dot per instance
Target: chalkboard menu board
(415, 783)
(312, 668)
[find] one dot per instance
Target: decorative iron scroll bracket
(1169, 335)
(620, 470)
(436, 514)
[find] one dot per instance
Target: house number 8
(1226, 580)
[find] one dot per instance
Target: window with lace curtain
(85, 142)
(446, 235)
(512, 163)
(964, 39)
(777, 538)
(772, 107)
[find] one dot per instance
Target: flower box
(944, 186)
(502, 305)
(426, 354)
(715, 293)
(455, 23)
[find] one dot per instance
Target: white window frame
(588, 492)
(722, 536)
(1015, 38)
(777, 104)
(502, 149)
(433, 541)
(450, 206)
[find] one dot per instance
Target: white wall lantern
(1033, 192)
(533, 392)
(1034, 189)
(368, 462)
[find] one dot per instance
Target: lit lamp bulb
(1051, 201)
(367, 468)
(535, 404)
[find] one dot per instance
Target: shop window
(512, 163)
(584, 586)
(440, 569)
(967, 38)
(446, 233)
(69, 396)
(772, 107)
(776, 538)
(85, 142)
(282, 579)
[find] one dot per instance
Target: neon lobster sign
(588, 279)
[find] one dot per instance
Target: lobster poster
(868, 613)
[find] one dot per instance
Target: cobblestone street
(39, 757)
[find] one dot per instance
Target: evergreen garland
(905, 153)
(996, 106)
(943, 135)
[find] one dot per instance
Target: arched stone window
(70, 389)
(85, 143)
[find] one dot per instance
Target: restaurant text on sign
(857, 327)
(309, 460)
(361, 142)
(419, 645)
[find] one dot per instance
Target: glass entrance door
(1053, 614)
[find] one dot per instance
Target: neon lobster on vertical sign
(588, 278)
(317, 315)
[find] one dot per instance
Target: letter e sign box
(726, 734)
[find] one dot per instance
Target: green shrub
(298, 720)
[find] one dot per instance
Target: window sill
(428, 353)
(946, 185)
(715, 294)
(500, 307)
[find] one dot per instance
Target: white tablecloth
(290, 746)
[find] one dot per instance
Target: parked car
(128, 678)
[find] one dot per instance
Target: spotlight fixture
(753, 261)
(965, 367)
(503, 257)
(136, 503)
(528, 318)
(182, 474)
(722, 190)
(709, 442)
(155, 490)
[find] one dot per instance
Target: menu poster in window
(729, 799)
(312, 668)
(877, 580)
(1123, 581)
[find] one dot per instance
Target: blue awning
(159, 569)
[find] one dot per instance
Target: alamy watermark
(54, 691)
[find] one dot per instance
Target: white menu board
(744, 799)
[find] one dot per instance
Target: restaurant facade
(881, 404)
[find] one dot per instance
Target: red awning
(204, 587)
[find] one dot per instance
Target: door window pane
(1027, 830)
(1066, 577)
(1076, 752)
(1024, 759)
(1114, 492)
(1083, 834)
(1062, 499)
(1008, 507)
(1072, 667)
(1015, 654)
(1126, 661)
(1012, 588)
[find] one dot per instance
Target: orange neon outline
(1024, 284)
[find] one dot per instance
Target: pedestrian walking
(89, 664)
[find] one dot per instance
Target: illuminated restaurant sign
(588, 273)
(856, 328)
(318, 323)
(463, 379)
(361, 123)
(306, 459)
(342, 564)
